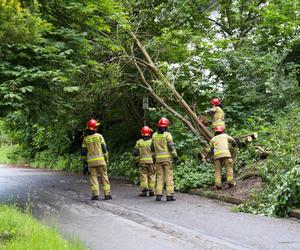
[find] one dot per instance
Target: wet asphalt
(130, 222)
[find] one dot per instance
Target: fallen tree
(191, 120)
(196, 124)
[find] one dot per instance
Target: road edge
(295, 213)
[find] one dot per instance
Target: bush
(188, 174)
(123, 164)
(43, 159)
(4, 151)
(65, 162)
(191, 174)
(280, 171)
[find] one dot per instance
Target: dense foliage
(63, 62)
(280, 171)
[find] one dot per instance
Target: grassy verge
(21, 231)
(4, 151)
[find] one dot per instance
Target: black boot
(107, 197)
(158, 197)
(151, 193)
(215, 187)
(95, 198)
(143, 193)
(171, 198)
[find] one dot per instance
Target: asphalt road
(131, 222)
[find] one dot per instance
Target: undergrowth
(44, 159)
(280, 172)
(4, 151)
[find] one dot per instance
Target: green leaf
(71, 89)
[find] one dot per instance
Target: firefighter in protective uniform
(217, 113)
(143, 153)
(165, 152)
(221, 154)
(94, 153)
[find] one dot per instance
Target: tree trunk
(151, 65)
(162, 102)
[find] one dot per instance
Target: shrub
(281, 171)
(123, 164)
(188, 174)
(192, 174)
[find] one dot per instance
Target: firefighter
(94, 153)
(144, 160)
(221, 154)
(165, 153)
(217, 113)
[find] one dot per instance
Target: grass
(20, 231)
(4, 150)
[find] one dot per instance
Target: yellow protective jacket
(217, 117)
(220, 146)
(144, 151)
(94, 145)
(164, 148)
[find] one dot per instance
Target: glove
(176, 160)
(237, 142)
(86, 169)
(106, 158)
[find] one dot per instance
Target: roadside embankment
(225, 197)
(21, 231)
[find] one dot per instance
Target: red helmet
(146, 131)
(163, 123)
(215, 101)
(219, 129)
(92, 124)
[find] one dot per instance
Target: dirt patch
(244, 188)
(236, 195)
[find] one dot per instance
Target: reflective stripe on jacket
(218, 123)
(220, 146)
(162, 151)
(144, 149)
(217, 117)
(93, 144)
